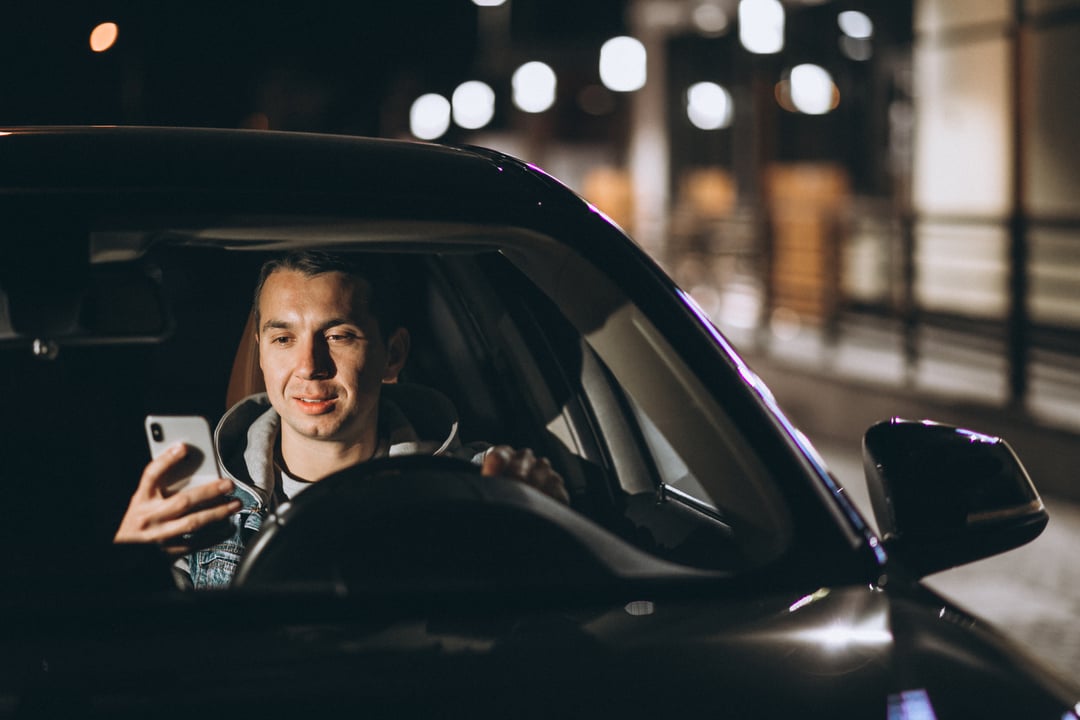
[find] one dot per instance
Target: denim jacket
(413, 420)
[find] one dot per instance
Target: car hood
(847, 652)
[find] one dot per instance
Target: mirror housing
(85, 304)
(944, 496)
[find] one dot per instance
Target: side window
(686, 475)
(672, 470)
(667, 510)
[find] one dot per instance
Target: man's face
(322, 356)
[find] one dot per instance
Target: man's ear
(397, 352)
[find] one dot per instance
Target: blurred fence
(970, 309)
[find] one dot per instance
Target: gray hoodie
(413, 420)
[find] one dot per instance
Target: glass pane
(1052, 184)
(939, 15)
(962, 269)
(963, 141)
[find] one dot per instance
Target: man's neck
(312, 460)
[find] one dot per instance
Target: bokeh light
(622, 64)
(429, 116)
(473, 104)
(812, 89)
(761, 26)
(709, 106)
(103, 36)
(710, 18)
(534, 86)
(855, 24)
(860, 49)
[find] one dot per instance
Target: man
(328, 343)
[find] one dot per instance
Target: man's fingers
(188, 499)
(177, 520)
(523, 465)
(544, 478)
(496, 459)
(151, 483)
(174, 531)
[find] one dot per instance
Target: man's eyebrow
(337, 322)
(273, 324)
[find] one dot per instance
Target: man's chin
(321, 427)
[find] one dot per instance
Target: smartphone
(201, 464)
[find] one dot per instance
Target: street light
(855, 24)
(709, 106)
(429, 116)
(534, 87)
(103, 37)
(812, 89)
(761, 26)
(473, 104)
(622, 64)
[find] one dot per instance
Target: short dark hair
(379, 273)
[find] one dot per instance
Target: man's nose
(314, 361)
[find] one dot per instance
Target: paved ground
(1032, 593)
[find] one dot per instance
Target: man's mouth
(314, 405)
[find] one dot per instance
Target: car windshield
(531, 344)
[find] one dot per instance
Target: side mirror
(944, 496)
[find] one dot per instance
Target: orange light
(103, 37)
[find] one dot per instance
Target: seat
(246, 377)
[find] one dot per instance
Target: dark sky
(345, 66)
(311, 65)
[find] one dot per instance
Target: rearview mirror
(84, 305)
(944, 496)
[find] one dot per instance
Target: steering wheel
(421, 522)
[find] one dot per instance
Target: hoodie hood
(413, 420)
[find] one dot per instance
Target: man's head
(380, 275)
(328, 337)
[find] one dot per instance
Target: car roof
(472, 181)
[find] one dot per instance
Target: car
(708, 563)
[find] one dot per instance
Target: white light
(855, 24)
(534, 87)
(709, 106)
(473, 104)
(843, 635)
(429, 116)
(709, 18)
(761, 26)
(488, 3)
(622, 64)
(811, 89)
(640, 607)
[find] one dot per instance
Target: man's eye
(340, 337)
(280, 340)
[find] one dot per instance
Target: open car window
(533, 345)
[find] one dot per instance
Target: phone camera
(156, 432)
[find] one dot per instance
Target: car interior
(498, 326)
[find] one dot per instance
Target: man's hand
(191, 519)
(523, 465)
